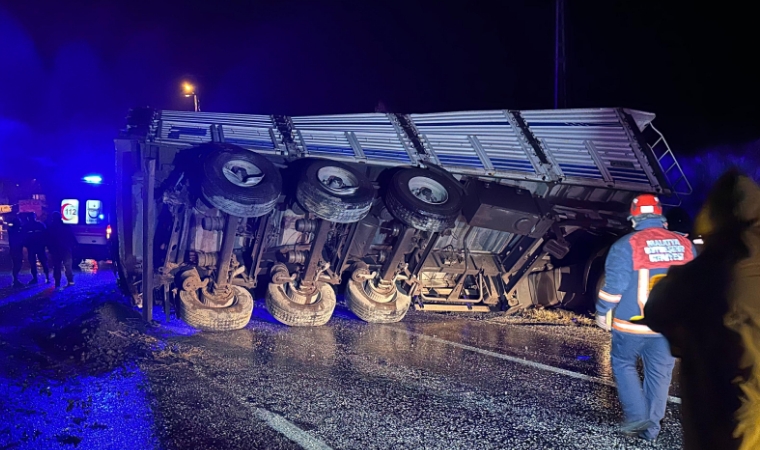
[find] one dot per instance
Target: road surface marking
(522, 361)
(276, 422)
(290, 430)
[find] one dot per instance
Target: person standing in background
(61, 242)
(35, 236)
(16, 243)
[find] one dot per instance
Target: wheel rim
(378, 295)
(338, 180)
(428, 190)
(242, 173)
(301, 296)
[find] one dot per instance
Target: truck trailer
(471, 211)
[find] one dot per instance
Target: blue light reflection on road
(110, 411)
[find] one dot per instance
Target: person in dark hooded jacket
(709, 310)
(61, 242)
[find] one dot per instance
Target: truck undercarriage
(468, 211)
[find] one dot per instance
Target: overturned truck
(459, 211)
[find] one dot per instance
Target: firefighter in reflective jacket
(634, 264)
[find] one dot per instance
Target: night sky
(70, 70)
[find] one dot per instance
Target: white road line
(513, 359)
(291, 431)
(276, 422)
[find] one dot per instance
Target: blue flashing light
(93, 179)
(101, 216)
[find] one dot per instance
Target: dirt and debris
(554, 316)
(73, 364)
(532, 316)
(68, 439)
(96, 342)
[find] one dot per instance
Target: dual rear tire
(390, 309)
(313, 313)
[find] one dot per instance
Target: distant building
(26, 194)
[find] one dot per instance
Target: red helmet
(646, 204)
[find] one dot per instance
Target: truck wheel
(285, 310)
(424, 199)
(240, 182)
(600, 284)
(203, 317)
(335, 192)
(376, 311)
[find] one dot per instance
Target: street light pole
(189, 91)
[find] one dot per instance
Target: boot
(34, 281)
(633, 429)
(17, 284)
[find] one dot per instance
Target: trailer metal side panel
(370, 138)
(591, 146)
(254, 132)
(476, 143)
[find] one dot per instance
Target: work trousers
(17, 258)
(37, 252)
(62, 259)
(647, 400)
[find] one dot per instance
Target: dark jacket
(60, 237)
(15, 234)
(709, 310)
(35, 234)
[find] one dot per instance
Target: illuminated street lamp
(189, 91)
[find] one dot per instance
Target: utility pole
(559, 55)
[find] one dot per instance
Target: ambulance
(85, 209)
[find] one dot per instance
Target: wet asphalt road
(433, 381)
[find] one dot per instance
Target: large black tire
(331, 204)
(435, 215)
(228, 192)
(286, 311)
(204, 317)
(600, 284)
(376, 312)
